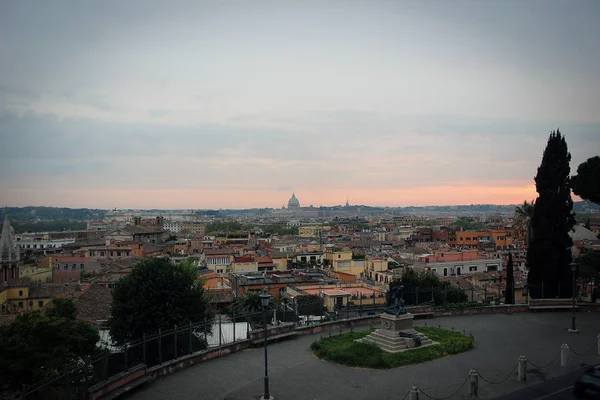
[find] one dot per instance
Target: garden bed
(344, 349)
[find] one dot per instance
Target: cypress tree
(549, 251)
(510, 281)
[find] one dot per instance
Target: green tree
(223, 226)
(548, 253)
(62, 308)
(586, 184)
(589, 269)
(248, 303)
(523, 216)
(424, 286)
(510, 281)
(35, 346)
(309, 305)
(158, 294)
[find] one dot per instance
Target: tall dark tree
(549, 250)
(35, 346)
(510, 281)
(586, 184)
(157, 294)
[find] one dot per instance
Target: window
(457, 270)
(118, 254)
(20, 304)
(445, 271)
(20, 293)
(473, 268)
(66, 267)
(73, 266)
(81, 266)
(40, 303)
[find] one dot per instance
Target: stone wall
(169, 367)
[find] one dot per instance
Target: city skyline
(197, 105)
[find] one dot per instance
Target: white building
(172, 226)
(40, 241)
(454, 268)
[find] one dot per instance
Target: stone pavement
(295, 374)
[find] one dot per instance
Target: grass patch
(343, 349)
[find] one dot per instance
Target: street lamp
(573, 329)
(264, 300)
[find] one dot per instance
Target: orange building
(500, 238)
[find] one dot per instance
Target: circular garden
(344, 349)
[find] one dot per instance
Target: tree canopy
(510, 281)
(157, 294)
(586, 184)
(549, 250)
(36, 345)
(523, 216)
(424, 286)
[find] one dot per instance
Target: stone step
(386, 346)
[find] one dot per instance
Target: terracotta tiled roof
(146, 229)
(223, 251)
(264, 259)
(94, 304)
(225, 296)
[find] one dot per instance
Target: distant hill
(33, 214)
(40, 214)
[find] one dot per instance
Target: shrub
(344, 349)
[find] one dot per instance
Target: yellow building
(244, 264)
(36, 274)
(335, 254)
(281, 262)
(22, 296)
(192, 228)
(311, 230)
(354, 267)
(375, 265)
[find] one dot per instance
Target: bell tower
(9, 255)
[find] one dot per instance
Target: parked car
(588, 385)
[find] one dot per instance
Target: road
(559, 388)
(500, 339)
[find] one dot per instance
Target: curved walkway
(295, 374)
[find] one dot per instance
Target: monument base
(388, 336)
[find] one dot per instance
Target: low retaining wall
(191, 359)
(108, 388)
(501, 309)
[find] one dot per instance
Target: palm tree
(248, 303)
(523, 216)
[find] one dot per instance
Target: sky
(237, 104)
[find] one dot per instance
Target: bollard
(473, 384)
(564, 354)
(599, 344)
(414, 393)
(522, 369)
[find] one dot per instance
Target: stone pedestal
(388, 336)
(396, 323)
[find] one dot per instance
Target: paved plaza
(295, 374)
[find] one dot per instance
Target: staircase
(391, 342)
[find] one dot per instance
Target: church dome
(293, 202)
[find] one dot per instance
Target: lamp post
(573, 329)
(264, 300)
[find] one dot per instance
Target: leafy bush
(344, 349)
